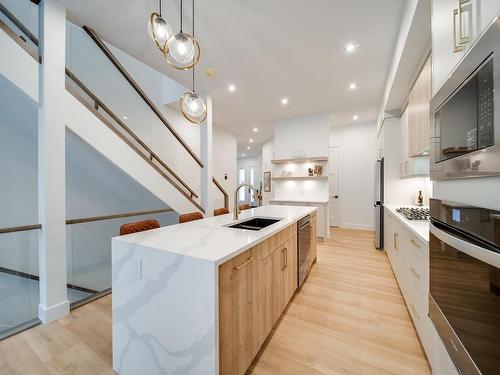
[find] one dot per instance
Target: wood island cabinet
(254, 289)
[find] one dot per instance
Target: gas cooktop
(413, 213)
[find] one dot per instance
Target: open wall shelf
(283, 178)
(301, 160)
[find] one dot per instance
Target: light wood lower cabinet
(238, 296)
(254, 289)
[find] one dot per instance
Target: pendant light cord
(159, 6)
(193, 37)
(181, 16)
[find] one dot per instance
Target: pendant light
(183, 50)
(192, 105)
(159, 29)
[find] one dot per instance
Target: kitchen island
(200, 297)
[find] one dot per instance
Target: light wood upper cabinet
(418, 112)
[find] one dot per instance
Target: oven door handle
(475, 251)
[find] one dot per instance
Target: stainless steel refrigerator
(379, 204)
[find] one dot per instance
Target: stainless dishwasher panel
(303, 248)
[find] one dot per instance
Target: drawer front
(271, 244)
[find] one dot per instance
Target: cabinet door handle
(285, 260)
(414, 272)
(237, 268)
(414, 309)
(414, 243)
(396, 241)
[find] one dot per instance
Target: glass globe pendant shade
(160, 31)
(183, 51)
(193, 107)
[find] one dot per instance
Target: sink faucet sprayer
(236, 208)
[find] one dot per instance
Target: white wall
(301, 137)
(304, 136)
(224, 164)
(396, 190)
(358, 150)
(267, 156)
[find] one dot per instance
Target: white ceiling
(269, 50)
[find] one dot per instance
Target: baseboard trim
(357, 226)
(48, 315)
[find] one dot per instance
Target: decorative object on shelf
(318, 170)
(310, 171)
(191, 103)
(183, 50)
(267, 182)
(159, 30)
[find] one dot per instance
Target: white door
(246, 175)
(334, 181)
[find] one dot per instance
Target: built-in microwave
(465, 114)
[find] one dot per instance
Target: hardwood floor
(349, 318)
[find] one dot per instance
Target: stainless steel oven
(304, 247)
(464, 301)
(465, 115)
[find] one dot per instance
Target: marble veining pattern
(165, 291)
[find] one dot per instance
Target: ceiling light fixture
(350, 47)
(192, 105)
(352, 86)
(284, 101)
(125, 117)
(248, 147)
(159, 29)
(255, 130)
(231, 88)
(243, 155)
(183, 50)
(355, 117)
(250, 140)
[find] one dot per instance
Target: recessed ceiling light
(243, 155)
(352, 86)
(125, 117)
(355, 117)
(350, 47)
(255, 130)
(250, 140)
(231, 88)
(284, 101)
(248, 147)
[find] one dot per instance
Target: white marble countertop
(305, 200)
(419, 228)
(209, 239)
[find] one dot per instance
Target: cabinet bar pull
(283, 251)
(414, 309)
(237, 268)
(414, 243)
(414, 271)
(396, 241)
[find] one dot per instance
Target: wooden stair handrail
(22, 228)
(226, 195)
(151, 154)
(117, 216)
(139, 91)
(18, 24)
